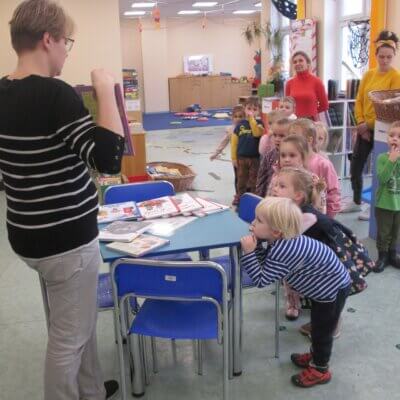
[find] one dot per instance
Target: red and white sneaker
(310, 377)
(301, 360)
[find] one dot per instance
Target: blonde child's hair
(282, 215)
(238, 109)
(300, 143)
(395, 124)
(307, 130)
(288, 99)
(303, 182)
(322, 127)
(282, 121)
(274, 116)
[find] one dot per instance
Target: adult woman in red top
(306, 88)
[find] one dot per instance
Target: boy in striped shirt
(274, 250)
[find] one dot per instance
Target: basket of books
(180, 175)
(386, 104)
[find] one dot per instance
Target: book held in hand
(123, 231)
(118, 211)
(140, 246)
(156, 208)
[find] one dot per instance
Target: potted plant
(274, 39)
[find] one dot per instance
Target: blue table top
(213, 231)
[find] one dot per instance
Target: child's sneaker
(301, 360)
(311, 376)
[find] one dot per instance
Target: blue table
(219, 230)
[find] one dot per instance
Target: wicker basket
(387, 112)
(181, 183)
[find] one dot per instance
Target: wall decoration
(359, 42)
(303, 37)
(286, 8)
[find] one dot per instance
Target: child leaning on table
(274, 250)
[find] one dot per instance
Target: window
(354, 10)
(283, 23)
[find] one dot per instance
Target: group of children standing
(289, 167)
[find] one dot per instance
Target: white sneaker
(351, 207)
(365, 215)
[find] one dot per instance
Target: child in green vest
(387, 206)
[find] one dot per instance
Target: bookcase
(341, 123)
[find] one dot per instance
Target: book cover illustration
(209, 207)
(123, 231)
(140, 246)
(88, 95)
(156, 208)
(186, 203)
(118, 211)
(167, 227)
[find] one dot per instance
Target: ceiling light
(205, 4)
(188, 12)
(244, 12)
(258, 4)
(134, 13)
(143, 5)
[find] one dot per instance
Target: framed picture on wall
(199, 64)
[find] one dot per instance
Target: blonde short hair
(307, 130)
(320, 126)
(282, 215)
(33, 18)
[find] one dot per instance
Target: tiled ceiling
(170, 8)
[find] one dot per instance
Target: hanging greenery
(273, 41)
(286, 8)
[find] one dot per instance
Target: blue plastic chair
(183, 300)
(133, 192)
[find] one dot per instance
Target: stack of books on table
(130, 220)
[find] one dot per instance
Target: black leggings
(361, 151)
(324, 319)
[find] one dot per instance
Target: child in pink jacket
(319, 165)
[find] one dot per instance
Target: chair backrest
(138, 191)
(247, 206)
(169, 279)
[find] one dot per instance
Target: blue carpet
(160, 121)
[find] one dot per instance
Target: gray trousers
(72, 368)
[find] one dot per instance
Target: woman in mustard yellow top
(384, 77)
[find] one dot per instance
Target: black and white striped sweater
(47, 142)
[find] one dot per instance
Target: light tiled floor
(365, 360)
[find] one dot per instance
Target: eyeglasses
(69, 43)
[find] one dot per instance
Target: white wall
(97, 39)
(163, 49)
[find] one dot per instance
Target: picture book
(156, 208)
(118, 211)
(186, 203)
(167, 226)
(209, 207)
(88, 95)
(140, 246)
(123, 231)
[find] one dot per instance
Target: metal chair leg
(145, 359)
(137, 382)
(277, 295)
(199, 357)
(154, 354)
(230, 348)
